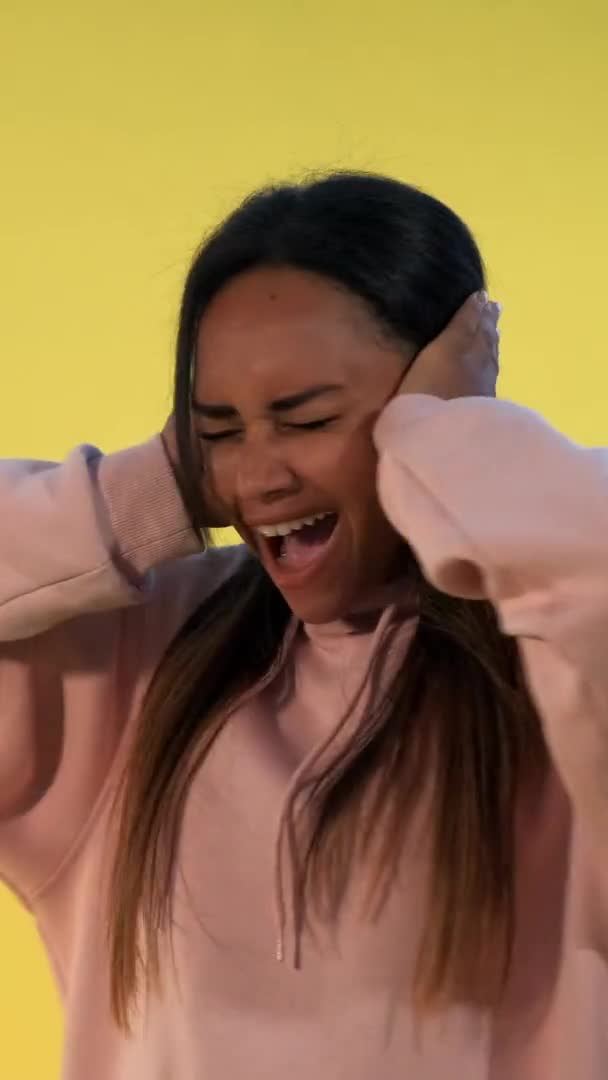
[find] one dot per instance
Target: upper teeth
(285, 527)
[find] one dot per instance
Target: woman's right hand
(215, 518)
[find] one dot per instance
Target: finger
(466, 322)
(495, 310)
(489, 334)
(472, 311)
(492, 331)
(490, 316)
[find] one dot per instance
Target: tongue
(302, 546)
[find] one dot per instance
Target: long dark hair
(458, 708)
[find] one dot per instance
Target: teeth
(283, 528)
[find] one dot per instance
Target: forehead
(275, 326)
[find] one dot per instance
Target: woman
(372, 738)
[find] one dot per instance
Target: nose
(264, 475)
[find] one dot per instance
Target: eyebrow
(285, 404)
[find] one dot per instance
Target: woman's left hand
(463, 360)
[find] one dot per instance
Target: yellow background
(126, 129)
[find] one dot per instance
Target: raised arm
(99, 568)
(84, 535)
(497, 504)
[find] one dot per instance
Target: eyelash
(312, 425)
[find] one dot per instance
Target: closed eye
(217, 435)
(311, 425)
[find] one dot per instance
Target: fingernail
(482, 298)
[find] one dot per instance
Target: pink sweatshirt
(98, 569)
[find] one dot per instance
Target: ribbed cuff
(150, 524)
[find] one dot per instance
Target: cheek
(344, 466)
(220, 471)
(358, 464)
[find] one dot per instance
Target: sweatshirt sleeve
(497, 504)
(85, 534)
(99, 567)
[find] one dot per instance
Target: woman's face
(291, 374)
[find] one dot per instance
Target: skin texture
(274, 333)
(463, 360)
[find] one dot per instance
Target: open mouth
(302, 546)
